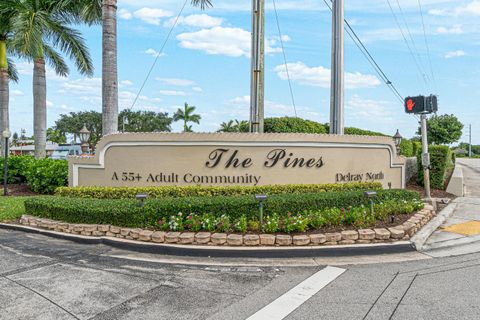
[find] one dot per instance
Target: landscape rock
(186, 238)
(301, 240)
(318, 238)
(251, 240)
(382, 234)
(203, 237)
(234, 239)
(267, 239)
(283, 240)
(219, 238)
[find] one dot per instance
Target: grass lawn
(11, 208)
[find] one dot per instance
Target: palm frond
(203, 4)
(71, 43)
(56, 61)
(12, 71)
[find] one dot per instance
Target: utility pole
(257, 91)
(470, 142)
(425, 157)
(337, 85)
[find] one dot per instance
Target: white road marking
(287, 303)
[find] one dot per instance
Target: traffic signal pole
(425, 157)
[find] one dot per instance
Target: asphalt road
(46, 278)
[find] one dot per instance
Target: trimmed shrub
(440, 160)
(406, 148)
(417, 147)
(46, 175)
(293, 125)
(128, 213)
(196, 191)
(361, 132)
(17, 166)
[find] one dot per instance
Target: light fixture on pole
(6, 135)
(84, 135)
(398, 141)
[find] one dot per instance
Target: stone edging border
(398, 233)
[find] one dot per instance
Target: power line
(159, 53)
(412, 39)
(422, 74)
(366, 53)
(426, 44)
(285, 58)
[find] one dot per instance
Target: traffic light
(421, 104)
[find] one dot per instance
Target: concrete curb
(227, 252)
(419, 239)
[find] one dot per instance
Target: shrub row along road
(46, 278)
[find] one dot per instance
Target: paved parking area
(45, 278)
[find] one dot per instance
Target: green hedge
(406, 148)
(440, 160)
(197, 191)
(43, 175)
(17, 167)
(127, 212)
(417, 147)
(293, 125)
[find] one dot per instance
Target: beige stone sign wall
(223, 159)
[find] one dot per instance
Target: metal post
(337, 84)
(5, 170)
(425, 157)
(258, 65)
(261, 215)
(470, 142)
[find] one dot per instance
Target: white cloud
(321, 76)
(229, 41)
(456, 29)
(455, 54)
(126, 83)
(124, 14)
(368, 109)
(173, 93)
(16, 93)
(151, 15)
(49, 103)
(176, 82)
(197, 89)
(154, 53)
(83, 85)
(196, 20)
(471, 9)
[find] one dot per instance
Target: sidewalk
(463, 223)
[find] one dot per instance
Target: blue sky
(206, 63)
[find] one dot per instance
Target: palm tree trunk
(109, 72)
(39, 108)
(4, 93)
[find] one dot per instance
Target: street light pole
(337, 84)
(425, 157)
(257, 90)
(6, 136)
(470, 142)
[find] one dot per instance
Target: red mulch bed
(436, 193)
(20, 190)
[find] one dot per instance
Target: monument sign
(223, 159)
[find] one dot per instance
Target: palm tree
(91, 11)
(227, 126)
(7, 73)
(39, 28)
(187, 115)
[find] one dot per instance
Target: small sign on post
(422, 106)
